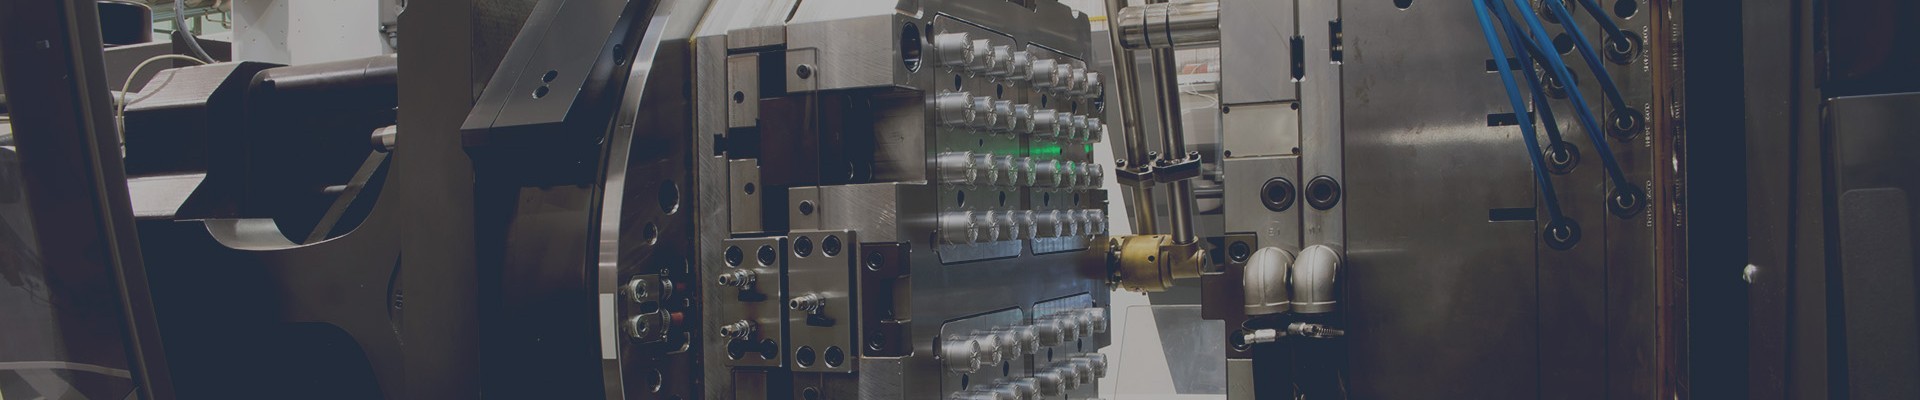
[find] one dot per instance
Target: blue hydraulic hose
(1586, 52)
(1526, 55)
(1581, 109)
(1519, 110)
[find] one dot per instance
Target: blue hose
(1581, 109)
(1519, 110)
(1586, 52)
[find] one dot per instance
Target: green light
(1045, 151)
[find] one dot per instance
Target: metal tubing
(1169, 25)
(1173, 141)
(1125, 94)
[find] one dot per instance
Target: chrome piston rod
(1126, 95)
(1161, 27)
(1168, 25)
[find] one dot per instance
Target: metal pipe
(1169, 25)
(1173, 141)
(1125, 94)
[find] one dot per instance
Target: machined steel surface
(977, 194)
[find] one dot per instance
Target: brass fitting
(1151, 263)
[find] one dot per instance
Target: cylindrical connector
(809, 303)
(1096, 176)
(1050, 383)
(1010, 223)
(1062, 78)
(989, 348)
(1029, 225)
(955, 49)
(742, 279)
(1096, 319)
(959, 228)
(1069, 175)
(1022, 389)
(1022, 119)
(983, 58)
(1046, 174)
(1022, 172)
(1170, 25)
(1047, 224)
(1082, 369)
(1018, 340)
(1002, 61)
(1004, 120)
(961, 354)
(1070, 376)
(1096, 361)
(955, 109)
(988, 223)
(1093, 224)
(957, 168)
(738, 330)
(1017, 65)
(984, 117)
(1076, 128)
(1045, 124)
(988, 171)
(1007, 167)
(1096, 130)
(1094, 87)
(1077, 84)
(1040, 72)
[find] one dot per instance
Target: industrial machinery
(910, 199)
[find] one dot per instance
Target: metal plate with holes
(820, 300)
(1247, 212)
(744, 196)
(763, 306)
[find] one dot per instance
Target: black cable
(180, 32)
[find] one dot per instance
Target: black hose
(180, 32)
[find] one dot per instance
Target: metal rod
(1170, 25)
(1173, 140)
(1126, 95)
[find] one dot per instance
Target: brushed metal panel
(1441, 303)
(1269, 129)
(1253, 50)
(743, 84)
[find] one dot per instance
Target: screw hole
(910, 47)
(831, 245)
(803, 246)
(767, 256)
(1402, 4)
(835, 356)
(735, 256)
(1625, 8)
